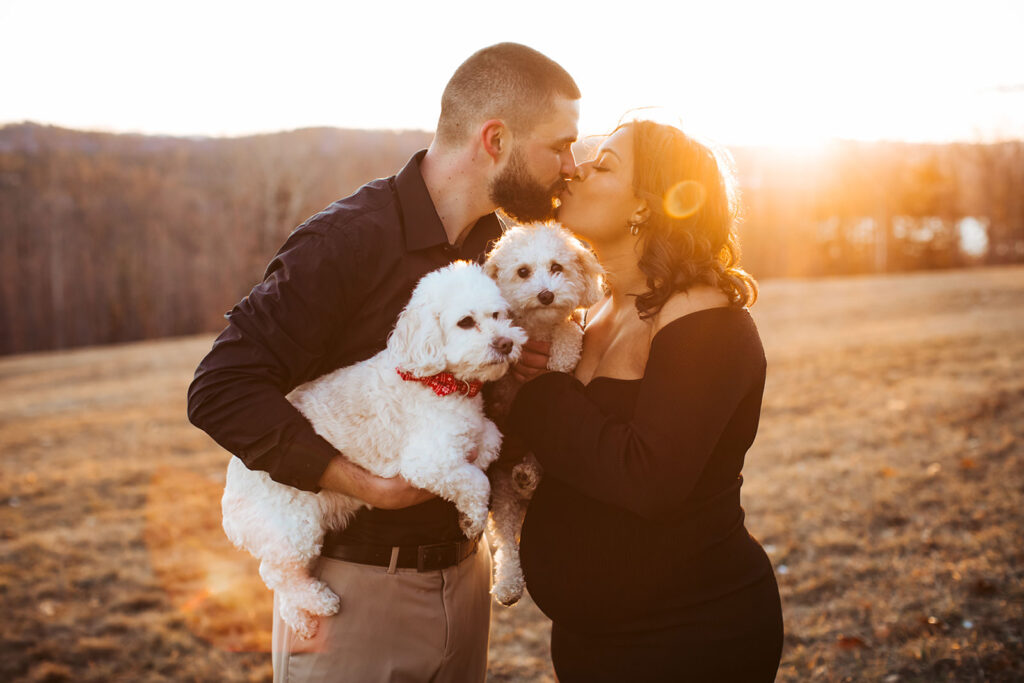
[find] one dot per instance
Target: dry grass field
(887, 483)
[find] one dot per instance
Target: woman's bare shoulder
(695, 299)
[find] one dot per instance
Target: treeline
(110, 238)
(857, 207)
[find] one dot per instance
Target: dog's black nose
(546, 297)
(503, 345)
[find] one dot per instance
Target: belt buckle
(434, 556)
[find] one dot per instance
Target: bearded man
(415, 590)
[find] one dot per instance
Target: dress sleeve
(698, 372)
(273, 341)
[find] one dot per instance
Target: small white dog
(411, 410)
(545, 274)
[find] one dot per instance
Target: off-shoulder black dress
(634, 543)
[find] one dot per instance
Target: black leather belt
(423, 558)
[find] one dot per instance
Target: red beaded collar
(444, 383)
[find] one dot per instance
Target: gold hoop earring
(634, 229)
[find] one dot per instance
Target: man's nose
(568, 164)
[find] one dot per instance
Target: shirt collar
(422, 226)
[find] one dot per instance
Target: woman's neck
(622, 272)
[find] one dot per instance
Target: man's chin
(525, 215)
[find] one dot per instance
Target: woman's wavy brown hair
(700, 248)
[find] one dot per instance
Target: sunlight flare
(684, 199)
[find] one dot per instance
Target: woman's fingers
(533, 361)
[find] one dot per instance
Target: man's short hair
(507, 81)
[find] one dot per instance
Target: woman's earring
(634, 229)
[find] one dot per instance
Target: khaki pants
(398, 627)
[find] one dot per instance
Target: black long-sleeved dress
(634, 543)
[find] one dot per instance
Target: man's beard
(522, 197)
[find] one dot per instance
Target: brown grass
(886, 483)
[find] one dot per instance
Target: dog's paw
(507, 593)
(525, 477)
(304, 624)
(472, 526)
(324, 602)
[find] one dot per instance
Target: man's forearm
(342, 476)
(350, 479)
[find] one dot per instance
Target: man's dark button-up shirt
(328, 299)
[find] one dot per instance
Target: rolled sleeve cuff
(303, 462)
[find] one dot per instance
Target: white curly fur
(390, 427)
(545, 274)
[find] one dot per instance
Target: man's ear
(495, 138)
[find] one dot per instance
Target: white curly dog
(454, 334)
(545, 274)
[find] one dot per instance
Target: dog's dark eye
(495, 315)
(556, 267)
(523, 272)
(467, 322)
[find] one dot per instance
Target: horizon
(737, 73)
(819, 145)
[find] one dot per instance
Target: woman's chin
(564, 218)
(578, 231)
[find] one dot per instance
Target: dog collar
(444, 383)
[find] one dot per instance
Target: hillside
(112, 238)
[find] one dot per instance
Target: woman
(634, 543)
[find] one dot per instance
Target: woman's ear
(642, 213)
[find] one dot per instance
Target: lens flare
(216, 589)
(684, 199)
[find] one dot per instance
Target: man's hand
(393, 494)
(533, 362)
(388, 494)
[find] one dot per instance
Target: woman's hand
(533, 362)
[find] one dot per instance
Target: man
(414, 590)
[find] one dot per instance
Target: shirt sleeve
(697, 374)
(274, 339)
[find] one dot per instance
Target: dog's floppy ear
(494, 255)
(590, 271)
(417, 341)
(491, 267)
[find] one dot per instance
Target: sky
(770, 72)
